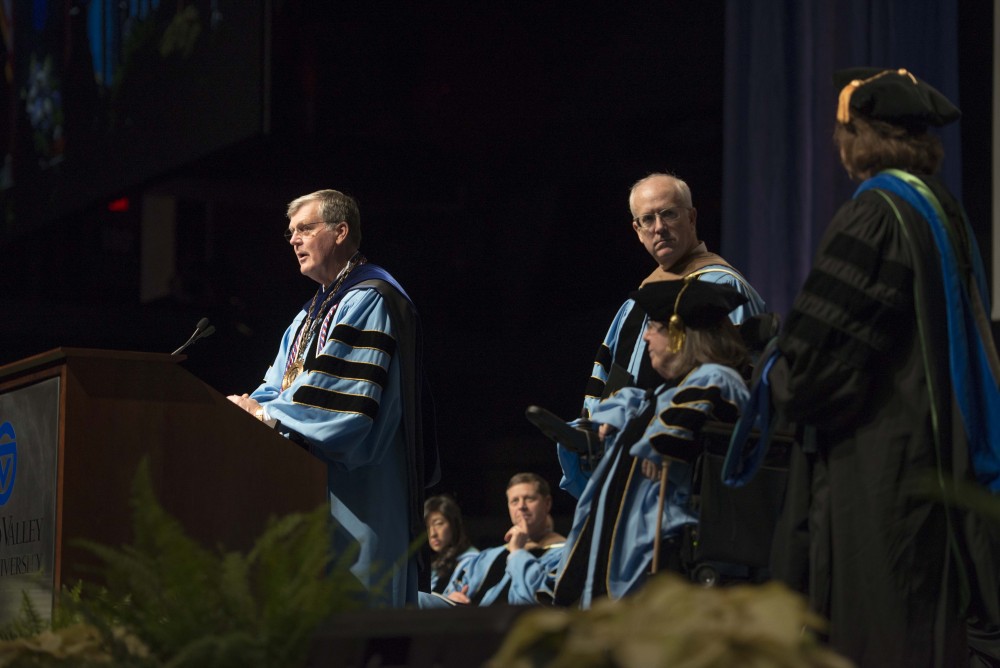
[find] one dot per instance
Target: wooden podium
(74, 424)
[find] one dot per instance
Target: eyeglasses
(655, 327)
(304, 230)
(668, 215)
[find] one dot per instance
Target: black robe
(895, 572)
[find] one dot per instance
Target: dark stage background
(491, 147)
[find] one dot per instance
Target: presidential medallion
(293, 372)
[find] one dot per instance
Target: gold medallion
(293, 372)
(313, 318)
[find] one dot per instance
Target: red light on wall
(118, 205)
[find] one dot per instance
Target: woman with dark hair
(888, 363)
(447, 539)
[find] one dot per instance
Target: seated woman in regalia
(651, 439)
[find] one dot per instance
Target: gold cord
(675, 328)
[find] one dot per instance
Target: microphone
(202, 330)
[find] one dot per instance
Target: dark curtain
(782, 179)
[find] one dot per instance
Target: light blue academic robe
(621, 528)
(524, 576)
(460, 563)
(347, 410)
(574, 475)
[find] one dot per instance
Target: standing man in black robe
(871, 366)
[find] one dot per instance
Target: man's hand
(245, 402)
(517, 537)
(650, 469)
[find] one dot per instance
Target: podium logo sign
(28, 515)
(8, 461)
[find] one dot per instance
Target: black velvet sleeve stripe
(856, 304)
(675, 447)
(848, 320)
(870, 262)
(595, 387)
(722, 409)
(684, 419)
(340, 402)
(859, 294)
(358, 338)
(603, 357)
(341, 368)
(681, 442)
(815, 333)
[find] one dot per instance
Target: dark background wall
(491, 147)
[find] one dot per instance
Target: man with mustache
(665, 221)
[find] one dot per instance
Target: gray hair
(680, 187)
(334, 207)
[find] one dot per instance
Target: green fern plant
(27, 623)
(168, 602)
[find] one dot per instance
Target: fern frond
(27, 622)
(166, 600)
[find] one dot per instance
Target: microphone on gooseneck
(202, 330)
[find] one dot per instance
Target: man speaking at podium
(346, 386)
